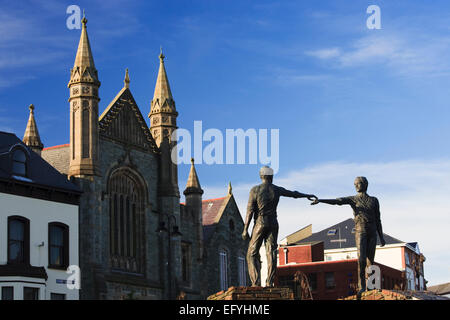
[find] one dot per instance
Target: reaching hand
(245, 235)
(311, 197)
(316, 201)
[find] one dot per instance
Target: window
(242, 271)
(85, 129)
(407, 261)
(18, 240)
(223, 254)
(186, 263)
(312, 279)
(231, 225)
(19, 166)
(7, 293)
(58, 245)
(57, 296)
(331, 232)
(126, 209)
(30, 293)
(287, 281)
(329, 280)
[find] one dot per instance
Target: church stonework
(83, 89)
(130, 190)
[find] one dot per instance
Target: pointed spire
(162, 96)
(161, 55)
(126, 81)
(230, 189)
(31, 137)
(84, 66)
(193, 184)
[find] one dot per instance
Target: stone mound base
(254, 293)
(396, 295)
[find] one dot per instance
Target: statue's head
(361, 184)
(266, 174)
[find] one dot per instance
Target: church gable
(123, 122)
(224, 212)
(231, 213)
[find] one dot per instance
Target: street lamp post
(172, 232)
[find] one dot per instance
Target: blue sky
(347, 100)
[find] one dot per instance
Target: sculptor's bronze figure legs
(267, 232)
(366, 244)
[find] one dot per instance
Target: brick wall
(301, 253)
(344, 273)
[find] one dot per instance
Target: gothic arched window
(126, 196)
(223, 267)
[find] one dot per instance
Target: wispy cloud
(27, 44)
(419, 55)
(413, 197)
(325, 53)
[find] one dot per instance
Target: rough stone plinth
(396, 295)
(254, 293)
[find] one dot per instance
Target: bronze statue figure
(262, 206)
(366, 211)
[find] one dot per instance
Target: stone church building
(137, 241)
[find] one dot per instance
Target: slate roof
(58, 157)
(440, 288)
(39, 171)
(211, 208)
(211, 211)
(21, 270)
(345, 228)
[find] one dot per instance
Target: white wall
(262, 253)
(390, 256)
(332, 255)
(40, 213)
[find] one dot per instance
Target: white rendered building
(38, 226)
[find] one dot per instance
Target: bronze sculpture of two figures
(262, 205)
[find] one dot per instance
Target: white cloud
(414, 200)
(325, 53)
(405, 55)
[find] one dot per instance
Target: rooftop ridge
(206, 200)
(58, 146)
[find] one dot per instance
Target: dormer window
(19, 166)
(331, 232)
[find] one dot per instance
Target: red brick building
(328, 280)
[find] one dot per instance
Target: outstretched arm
(338, 201)
(296, 194)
